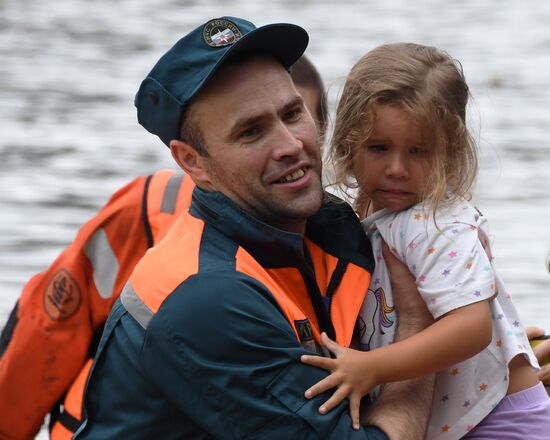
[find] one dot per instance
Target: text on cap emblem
(220, 32)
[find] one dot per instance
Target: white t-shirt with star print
(452, 270)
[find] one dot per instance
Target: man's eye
(249, 133)
(293, 115)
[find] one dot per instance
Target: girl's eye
(378, 148)
(418, 150)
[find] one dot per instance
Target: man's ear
(190, 161)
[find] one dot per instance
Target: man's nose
(286, 143)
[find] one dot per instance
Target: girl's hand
(351, 374)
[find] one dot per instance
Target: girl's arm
(458, 335)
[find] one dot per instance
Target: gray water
(69, 137)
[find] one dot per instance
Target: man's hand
(411, 310)
(542, 353)
(533, 332)
(402, 409)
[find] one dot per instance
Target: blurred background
(69, 137)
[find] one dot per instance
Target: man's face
(263, 148)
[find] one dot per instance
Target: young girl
(400, 137)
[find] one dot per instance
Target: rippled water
(69, 138)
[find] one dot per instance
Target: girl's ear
(191, 162)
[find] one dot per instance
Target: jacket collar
(335, 228)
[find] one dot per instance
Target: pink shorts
(520, 416)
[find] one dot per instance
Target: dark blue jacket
(217, 356)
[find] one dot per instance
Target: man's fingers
(542, 350)
(388, 255)
(397, 268)
(533, 332)
(408, 303)
(544, 373)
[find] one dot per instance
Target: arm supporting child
(541, 348)
(354, 373)
(396, 397)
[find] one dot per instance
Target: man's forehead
(244, 97)
(244, 82)
(258, 113)
(254, 65)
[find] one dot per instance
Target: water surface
(69, 136)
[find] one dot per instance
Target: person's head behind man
(223, 100)
(309, 83)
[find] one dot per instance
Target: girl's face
(391, 167)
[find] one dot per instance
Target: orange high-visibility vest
(210, 322)
(337, 277)
(50, 338)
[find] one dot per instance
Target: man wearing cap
(206, 338)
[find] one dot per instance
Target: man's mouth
(293, 176)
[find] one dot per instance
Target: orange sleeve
(48, 338)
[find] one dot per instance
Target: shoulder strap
(144, 212)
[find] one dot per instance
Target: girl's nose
(397, 168)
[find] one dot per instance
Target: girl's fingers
(320, 387)
(332, 346)
(339, 395)
(318, 361)
(354, 405)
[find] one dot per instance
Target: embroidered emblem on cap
(220, 32)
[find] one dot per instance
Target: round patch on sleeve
(220, 33)
(62, 296)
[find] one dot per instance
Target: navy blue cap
(182, 71)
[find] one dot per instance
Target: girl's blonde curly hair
(429, 85)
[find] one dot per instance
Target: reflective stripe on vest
(171, 192)
(135, 306)
(168, 194)
(104, 263)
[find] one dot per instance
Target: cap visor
(286, 42)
